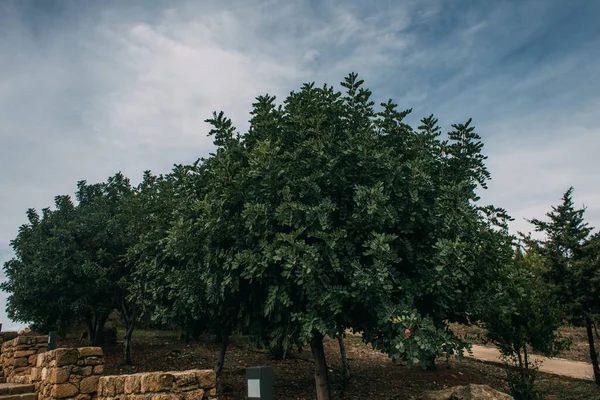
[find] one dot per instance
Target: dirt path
(556, 366)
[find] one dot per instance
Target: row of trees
(325, 216)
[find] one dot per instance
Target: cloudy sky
(88, 88)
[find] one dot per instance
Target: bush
(522, 316)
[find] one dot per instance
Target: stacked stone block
(68, 373)
(19, 356)
(185, 385)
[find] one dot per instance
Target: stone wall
(185, 385)
(68, 373)
(75, 374)
(19, 356)
(4, 337)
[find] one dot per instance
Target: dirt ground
(374, 376)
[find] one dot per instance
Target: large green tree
(69, 264)
(572, 254)
(328, 215)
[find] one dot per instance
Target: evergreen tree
(571, 253)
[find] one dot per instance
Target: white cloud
(126, 87)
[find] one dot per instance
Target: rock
(119, 385)
(66, 357)
(83, 371)
(194, 395)
(20, 362)
(133, 384)
(207, 379)
(58, 375)
(90, 352)
(64, 390)
(106, 386)
(89, 385)
(166, 396)
(470, 392)
(91, 361)
(24, 353)
(157, 382)
(185, 379)
(98, 370)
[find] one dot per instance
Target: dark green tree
(571, 252)
(328, 215)
(69, 265)
(523, 314)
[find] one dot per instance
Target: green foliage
(572, 254)
(327, 214)
(68, 265)
(523, 315)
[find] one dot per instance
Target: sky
(89, 88)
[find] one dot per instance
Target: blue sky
(91, 88)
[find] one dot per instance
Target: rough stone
(83, 397)
(470, 392)
(166, 396)
(83, 371)
(66, 357)
(21, 340)
(90, 361)
(24, 353)
(133, 384)
(58, 375)
(64, 390)
(40, 360)
(212, 392)
(194, 395)
(157, 382)
(106, 386)
(20, 362)
(119, 384)
(89, 384)
(90, 352)
(207, 379)
(185, 379)
(98, 370)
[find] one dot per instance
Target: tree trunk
(95, 327)
(345, 366)
(221, 360)
(127, 345)
(130, 317)
(90, 332)
(593, 354)
(521, 367)
(321, 372)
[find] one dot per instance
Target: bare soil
(374, 376)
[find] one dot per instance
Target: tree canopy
(328, 214)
